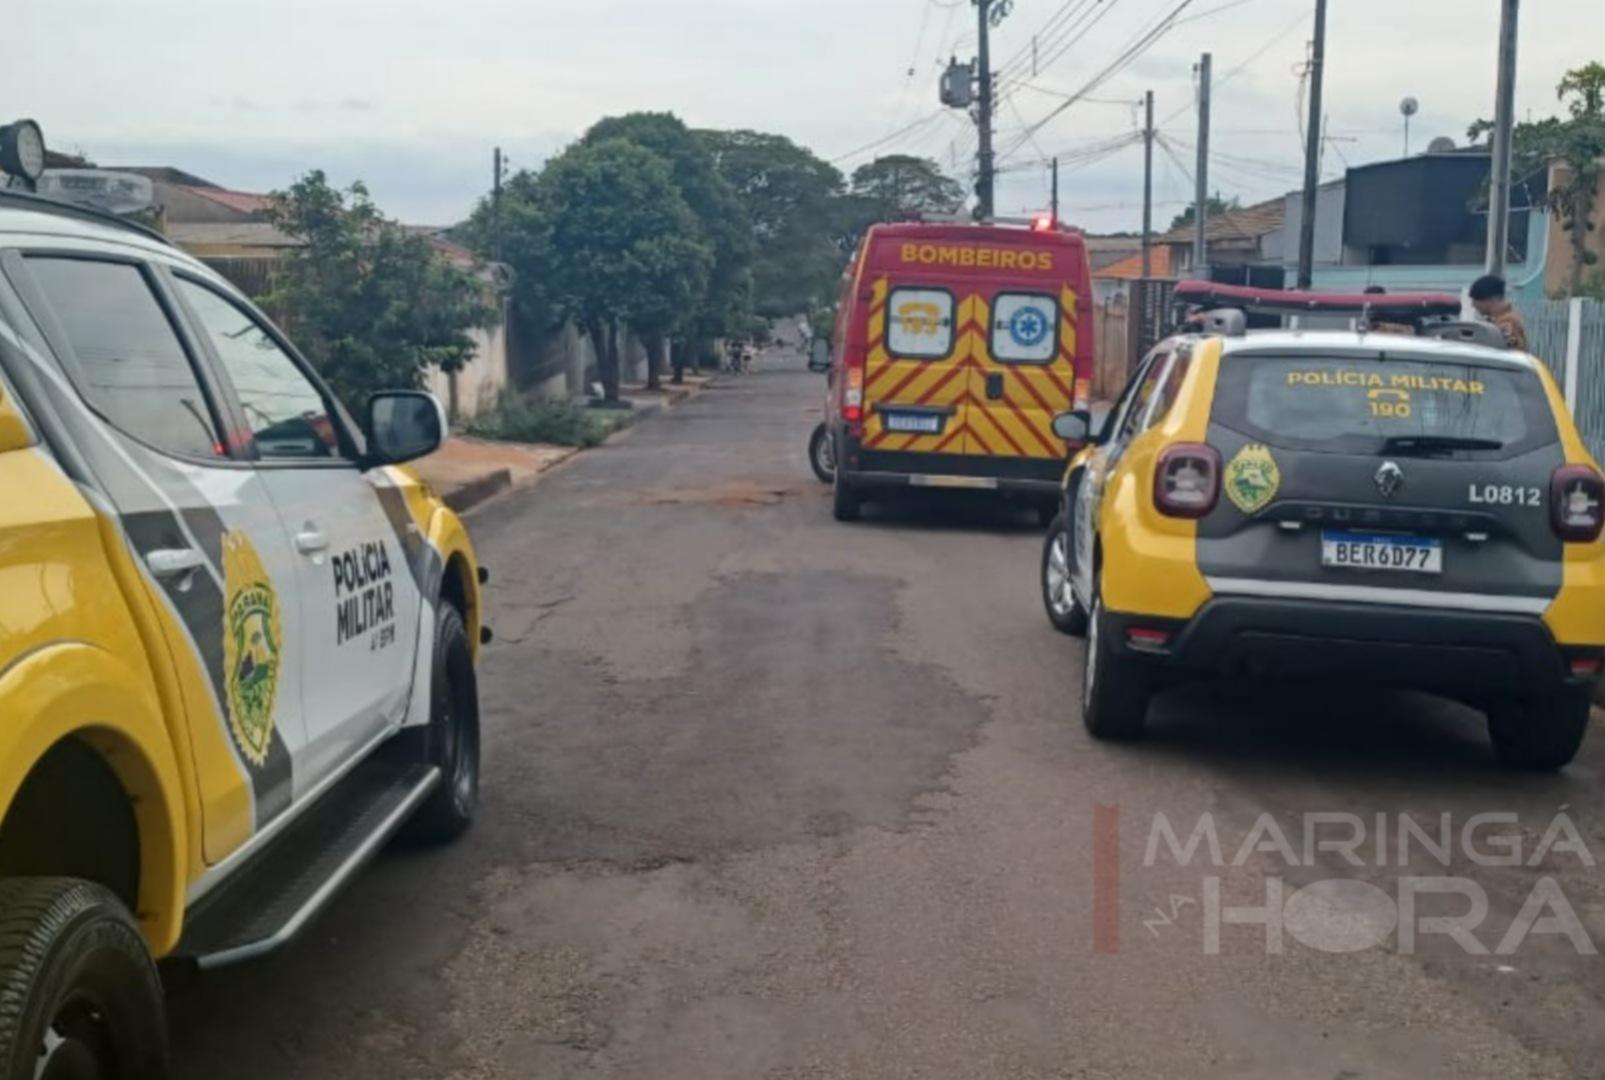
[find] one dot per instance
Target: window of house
(127, 359)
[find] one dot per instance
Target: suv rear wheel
(1114, 689)
(1539, 735)
(1064, 610)
(79, 995)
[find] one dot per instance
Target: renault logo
(1389, 478)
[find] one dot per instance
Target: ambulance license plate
(924, 423)
(1372, 551)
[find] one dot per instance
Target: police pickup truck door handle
(172, 562)
(309, 541)
(994, 385)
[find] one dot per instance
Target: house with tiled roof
(1248, 236)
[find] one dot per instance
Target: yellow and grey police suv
(1377, 508)
(237, 643)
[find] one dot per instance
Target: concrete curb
(481, 489)
(478, 490)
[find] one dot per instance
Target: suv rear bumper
(866, 469)
(1470, 655)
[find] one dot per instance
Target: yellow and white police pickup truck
(237, 643)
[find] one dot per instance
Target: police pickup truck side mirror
(819, 355)
(1073, 427)
(404, 425)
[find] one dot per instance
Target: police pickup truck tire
(1064, 610)
(453, 736)
(1540, 735)
(844, 502)
(822, 455)
(79, 994)
(1115, 690)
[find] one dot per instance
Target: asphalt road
(771, 798)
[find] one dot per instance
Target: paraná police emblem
(1252, 478)
(252, 644)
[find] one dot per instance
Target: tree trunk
(654, 360)
(609, 353)
(677, 359)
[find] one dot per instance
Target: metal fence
(1569, 337)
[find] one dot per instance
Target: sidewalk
(467, 471)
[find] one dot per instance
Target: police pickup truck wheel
(1114, 690)
(453, 739)
(79, 995)
(844, 505)
(1539, 735)
(822, 455)
(1064, 610)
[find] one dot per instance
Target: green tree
(372, 305)
(901, 186)
(793, 202)
(720, 217)
(1212, 206)
(602, 234)
(1578, 142)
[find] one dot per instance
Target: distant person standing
(1488, 297)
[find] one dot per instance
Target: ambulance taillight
(853, 390)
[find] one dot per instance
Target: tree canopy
(372, 304)
(604, 234)
(901, 186)
(721, 218)
(793, 202)
(1578, 141)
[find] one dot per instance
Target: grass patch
(516, 419)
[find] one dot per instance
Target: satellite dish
(1409, 106)
(1443, 144)
(99, 189)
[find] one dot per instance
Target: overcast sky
(411, 95)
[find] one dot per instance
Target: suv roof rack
(27, 201)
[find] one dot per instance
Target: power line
(1253, 56)
(884, 139)
(1055, 22)
(1068, 37)
(1140, 44)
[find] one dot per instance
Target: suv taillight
(1577, 503)
(1187, 480)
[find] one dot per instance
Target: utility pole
(496, 205)
(1055, 197)
(1504, 120)
(1312, 152)
(1201, 195)
(983, 183)
(1148, 185)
